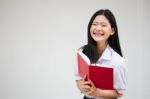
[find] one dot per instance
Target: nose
(98, 28)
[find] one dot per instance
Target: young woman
(103, 48)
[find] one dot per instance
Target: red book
(100, 75)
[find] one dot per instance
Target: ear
(113, 31)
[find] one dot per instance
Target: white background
(39, 40)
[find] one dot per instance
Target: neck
(100, 48)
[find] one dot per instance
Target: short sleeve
(120, 77)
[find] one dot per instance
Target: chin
(98, 39)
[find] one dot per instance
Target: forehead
(101, 19)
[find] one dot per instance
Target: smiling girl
(103, 48)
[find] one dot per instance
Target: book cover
(100, 75)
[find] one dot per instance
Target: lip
(98, 34)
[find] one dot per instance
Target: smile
(98, 34)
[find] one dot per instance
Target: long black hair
(90, 49)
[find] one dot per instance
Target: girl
(103, 48)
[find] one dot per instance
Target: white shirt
(112, 59)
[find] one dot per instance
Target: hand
(92, 90)
(83, 85)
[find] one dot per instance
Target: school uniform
(111, 59)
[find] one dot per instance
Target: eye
(94, 24)
(103, 25)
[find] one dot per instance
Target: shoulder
(80, 49)
(118, 60)
(119, 64)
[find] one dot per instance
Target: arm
(105, 93)
(92, 91)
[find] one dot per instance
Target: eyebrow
(100, 22)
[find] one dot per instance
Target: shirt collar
(107, 54)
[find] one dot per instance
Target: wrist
(97, 93)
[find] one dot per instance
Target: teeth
(101, 34)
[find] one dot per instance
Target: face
(101, 29)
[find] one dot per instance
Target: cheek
(108, 31)
(91, 29)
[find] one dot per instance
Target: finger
(87, 83)
(91, 82)
(85, 78)
(87, 87)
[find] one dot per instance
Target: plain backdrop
(39, 40)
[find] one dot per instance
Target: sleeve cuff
(120, 92)
(77, 78)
